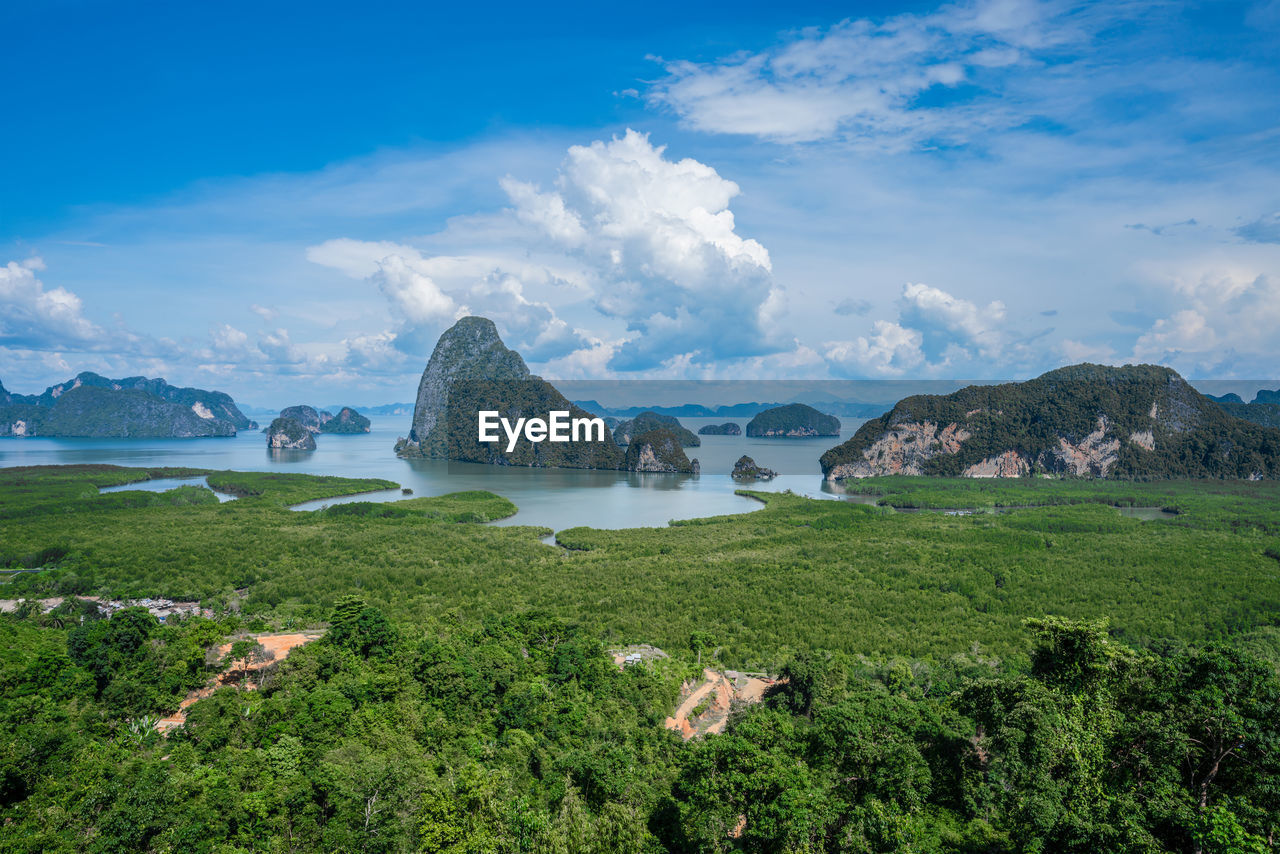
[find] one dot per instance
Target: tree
(700, 639)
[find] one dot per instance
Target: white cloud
(661, 245)
(1226, 326)
(863, 79)
(891, 350)
(34, 317)
(951, 322)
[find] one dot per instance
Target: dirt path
(279, 645)
(724, 690)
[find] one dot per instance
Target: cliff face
(472, 370)
(1139, 421)
(288, 434)
(793, 421)
(659, 451)
(469, 350)
(91, 405)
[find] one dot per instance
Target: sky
(291, 201)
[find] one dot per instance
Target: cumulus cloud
(890, 350)
(645, 244)
(426, 294)
(905, 80)
(934, 331)
(38, 318)
(662, 247)
(1226, 325)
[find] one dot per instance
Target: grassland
(797, 574)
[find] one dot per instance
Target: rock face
(287, 434)
(346, 422)
(468, 350)
(746, 469)
(728, 428)
(308, 416)
(91, 405)
(793, 421)
(646, 421)
(472, 370)
(1139, 421)
(659, 451)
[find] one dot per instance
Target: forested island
(93, 406)
(1137, 421)
(793, 421)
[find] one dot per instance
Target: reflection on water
(164, 484)
(552, 498)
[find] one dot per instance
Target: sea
(550, 498)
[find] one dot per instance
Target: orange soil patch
(279, 645)
(723, 689)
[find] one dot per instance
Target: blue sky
(291, 201)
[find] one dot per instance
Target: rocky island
(472, 370)
(94, 406)
(659, 450)
(646, 421)
(728, 428)
(747, 469)
(289, 434)
(793, 421)
(1138, 421)
(347, 422)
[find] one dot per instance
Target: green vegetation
(796, 574)
(628, 430)
(1266, 414)
(728, 428)
(346, 422)
(462, 701)
(289, 434)
(795, 420)
(658, 450)
(135, 407)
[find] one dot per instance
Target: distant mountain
(91, 405)
(793, 421)
(1230, 397)
(1264, 396)
(1139, 421)
(381, 409)
(852, 409)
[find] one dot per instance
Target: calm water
(554, 498)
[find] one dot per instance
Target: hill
(1139, 421)
(793, 421)
(94, 406)
(647, 421)
(472, 370)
